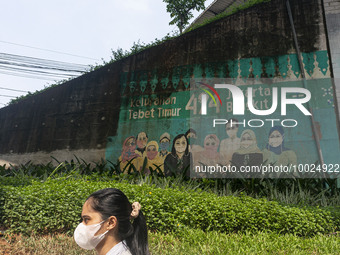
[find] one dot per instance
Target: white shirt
(119, 249)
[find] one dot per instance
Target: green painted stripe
(213, 98)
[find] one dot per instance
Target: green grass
(190, 241)
(198, 242)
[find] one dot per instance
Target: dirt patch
(5, 247)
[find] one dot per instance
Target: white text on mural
(157, 110)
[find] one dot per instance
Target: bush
(55, 206)
(15, 181)
(310, 192)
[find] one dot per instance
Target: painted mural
(161, 125)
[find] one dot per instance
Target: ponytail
(138, 241)
(113, 202)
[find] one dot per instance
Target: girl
(111, 225)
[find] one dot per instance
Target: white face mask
(84, 235)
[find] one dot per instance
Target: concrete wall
(73, 118)
(91, 116)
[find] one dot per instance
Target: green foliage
(315, 192)
(335, 212)
(138, 47)
(302, 192)
(74, 168)
(245, 5)
(181, 11)
(55, 206)
(135, 48)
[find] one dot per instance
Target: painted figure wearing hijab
(128, 153)
(142, 140)
(248, 154)
(179, 159)
(231, 144)
(153, 157)
(275, 152)
(164, 144)
(209, 156)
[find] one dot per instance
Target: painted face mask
(211, 146)
(164, 146)
(142, 140)
(140, 144)
(151, 154)
(84, 235)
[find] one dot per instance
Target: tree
(181, 11)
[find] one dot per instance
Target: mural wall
(143, 110)
(155, 128)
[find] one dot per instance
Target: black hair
(190, 130)
(173, 150)
(113, 202)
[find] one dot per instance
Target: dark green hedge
(55, 206)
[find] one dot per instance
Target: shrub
(55, 206)
(314, 192)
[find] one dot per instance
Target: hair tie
(135, 210)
